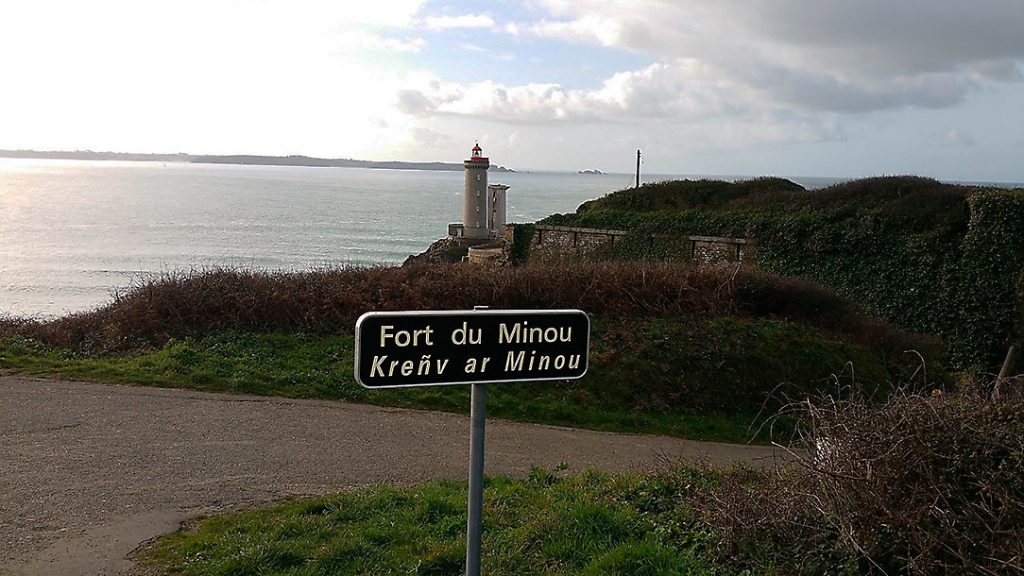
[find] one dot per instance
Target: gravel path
(90, 471)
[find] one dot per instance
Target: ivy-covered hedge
(928, 256)
(522, 236)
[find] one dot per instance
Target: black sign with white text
(396, 349)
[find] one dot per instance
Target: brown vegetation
(922, 484)
(330, 301)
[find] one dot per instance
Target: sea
(75, 233)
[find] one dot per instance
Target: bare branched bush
(921, 484)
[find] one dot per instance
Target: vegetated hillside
(693, 194)
(667, 338)
(930, 257)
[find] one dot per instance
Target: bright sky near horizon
(751, 87)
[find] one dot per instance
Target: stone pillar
(496, 216)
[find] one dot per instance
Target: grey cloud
(997, 71)
(430, 138)
(414, 102)
(887, 36)
(956, 137)
(835, 55)
(824, 92)
(751, 59)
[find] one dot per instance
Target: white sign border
(481, 312)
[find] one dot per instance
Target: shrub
(694, 194)
(927, 256)
(329, 301)
(922, 484)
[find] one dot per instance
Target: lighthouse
(483, 205)
(474, 204)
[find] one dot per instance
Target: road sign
(399, 349)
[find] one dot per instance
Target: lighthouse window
(477, 177)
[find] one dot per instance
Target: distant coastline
(245, 159)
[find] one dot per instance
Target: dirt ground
(88, 472)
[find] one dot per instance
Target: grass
(915, 485)
(587, 524)
(699, 378)
(678, 350)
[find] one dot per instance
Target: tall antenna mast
(638, 168)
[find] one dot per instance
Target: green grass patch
(588, 524)
(700, 378)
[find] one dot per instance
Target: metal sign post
(475, 503)
(432, 348)
(475, 507)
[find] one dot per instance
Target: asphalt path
(89, 472)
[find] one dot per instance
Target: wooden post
(638, 168)
(1004, 373)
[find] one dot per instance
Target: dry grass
(329, 301)
(922, 484)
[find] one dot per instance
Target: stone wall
(558, 242)
(710, 249)
(487, 255)
(565, 241)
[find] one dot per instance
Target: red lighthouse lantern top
(478, 157)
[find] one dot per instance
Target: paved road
(90, 471)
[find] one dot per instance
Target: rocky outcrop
(445, 250)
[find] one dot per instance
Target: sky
(837, 88)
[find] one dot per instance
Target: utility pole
(638, 168)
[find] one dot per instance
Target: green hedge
(522, 236)
(928, 256)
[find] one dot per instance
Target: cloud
(996, 71)
(657, 91)
(604, 31)
(880, 37)
(680, 91)
(809, 55)
(864, 37)
(731, 75)
(463, 21)
(430, 138)
(415, 103)
(399, 44)
(956, 137)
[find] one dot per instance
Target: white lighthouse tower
(483, 205)
(474, 204)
